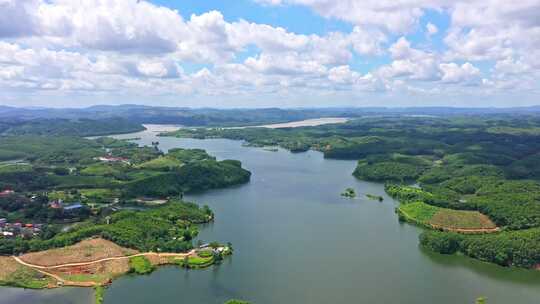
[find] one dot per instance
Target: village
(11, 230)
(31, 229)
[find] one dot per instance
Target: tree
(481, 300)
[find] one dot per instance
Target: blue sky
(259, 53)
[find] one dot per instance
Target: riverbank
(92, 263)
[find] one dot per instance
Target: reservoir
(296, 240)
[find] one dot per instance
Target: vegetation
(167, 228)
(199, 262)
(76, 127)
(446, 219)
(77, 170)
(140, 265)
(349, 192)
(375, 197)
(16, 275)
(236, 302)
(418, 212)
(99, 294)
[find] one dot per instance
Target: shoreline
(58, 276)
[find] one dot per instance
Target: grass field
(199, 262)
(443, 218)
(140, 265)
(86, 277)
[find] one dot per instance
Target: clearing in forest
(84, 251)
(446, 219)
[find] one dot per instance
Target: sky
(270, 53)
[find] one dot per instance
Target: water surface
(297, 241)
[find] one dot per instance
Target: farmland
(446, 219)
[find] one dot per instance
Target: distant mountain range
(238, 116)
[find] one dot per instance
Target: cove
(297, 240)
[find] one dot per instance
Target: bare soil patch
(458, 219)
(8, 266)
(85, 251)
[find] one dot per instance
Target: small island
(375, 197)
(349, 192)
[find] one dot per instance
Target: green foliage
(387, 171)
(101, 169)
(99, 294)
(508, 248)
(375, 197)
(441, 242)
(25, 277)
(418, 212)
(528, 167)
(189, 155)
(406, 194)
(236, 302)
(481, 300)
(199, 262)
(205, 253)
(349, 192)
(11, 155)
(81, 127)
(162, 163)
(140, 265)
(193, 176)
(167, 228)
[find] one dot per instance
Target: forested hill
(66, 127)
(232, 117)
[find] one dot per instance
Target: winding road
(43, 269)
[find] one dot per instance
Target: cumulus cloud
(453, 73)
(420, 65)
(394, 16)
(137, 47)
(18, 18)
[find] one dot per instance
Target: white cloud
(367, 42)
(414, 64)
(135, 47)
(287, 64)
(394, 16)
(18, 18)
(483, 30)
(431, 28)
(453, 73)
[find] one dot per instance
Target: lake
(297, 240)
